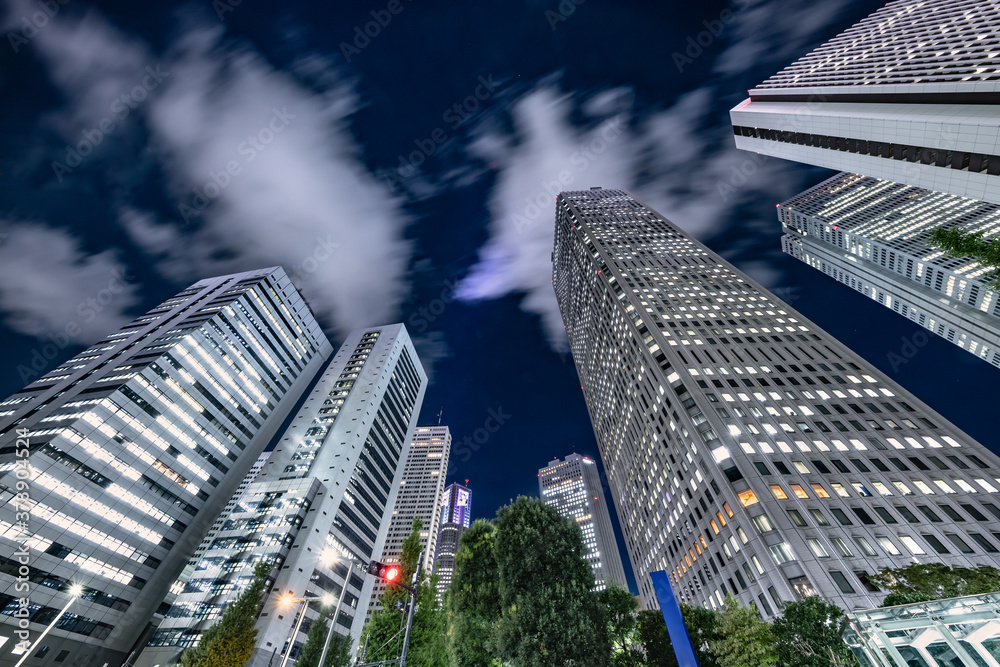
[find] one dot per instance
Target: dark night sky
(452, 246)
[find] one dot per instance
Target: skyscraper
(873, 236)
(909, 95)
(573, 487)
(747, 451)
(420, 494)
(456, 510)
(323, 498)
(134, 446)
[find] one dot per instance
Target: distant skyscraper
(420, 495)
(135, 445)
(456, 510)
(327, 489)
(747, 451)
(573, 487)
(908, 95)
(873, 236)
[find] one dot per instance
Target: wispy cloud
(50, 286)
(680, 160)
(259, 162)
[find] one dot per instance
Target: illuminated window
(747, 498)
(799, 491)
(778, 492)
(819, 491)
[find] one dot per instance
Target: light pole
(286, 600)
(75, 591)
(335, 556)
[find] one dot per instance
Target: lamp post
(286, 600)
(335, 556)
(75, 591)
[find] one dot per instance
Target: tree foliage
(808, 634)
(549, 614)
(744, 640)
(231, 641)
(473, 599)
(703, 628)
(619, 608)
(339, 653)
(960, 243)
(385, 630)
(936, 580)
(655, 640)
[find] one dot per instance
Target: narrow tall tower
(456, 511)
(134, 446)
(420, 495)
(747, 451)
(573, 487)
(874, 236)
(908, 95)
(322, 500)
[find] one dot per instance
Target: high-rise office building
(747, 451)
(324, 496)
(456, 512)
(134, 447)
(420, 494)
(910, 94)
(573, 487)
(874, 236)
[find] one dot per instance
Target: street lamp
(75, 591)
(284, 601)
(330, 556)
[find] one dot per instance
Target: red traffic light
(385, 572)
(391, 574)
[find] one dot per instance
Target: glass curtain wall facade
(456, 511)
(573, 487)
(324, 497)
(747, 451)
(874, 236)
(131, 449)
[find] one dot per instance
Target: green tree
(619, 608)
(385, 630)
(937, 580)
(960, 243)
(744, 639)
(703, 628)
(231, 641)
(339, 652)
(894, 599)
(655, 640)
(550, 614)
(809, 635)
(473, 599)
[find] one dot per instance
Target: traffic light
(389, 573)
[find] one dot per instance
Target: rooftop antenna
(440, 412)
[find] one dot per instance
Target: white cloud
(261, 164)
(50, 286)
(681, 161)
